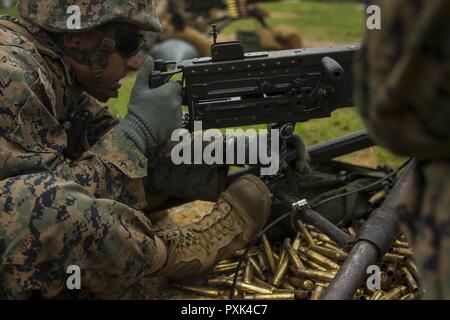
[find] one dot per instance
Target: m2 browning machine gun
(280, 88)
(232, 88)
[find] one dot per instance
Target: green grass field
(320, 23)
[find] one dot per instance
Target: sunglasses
(128, 44)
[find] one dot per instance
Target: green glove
(302, 160)
(153, 114)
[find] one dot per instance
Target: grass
(320, 23)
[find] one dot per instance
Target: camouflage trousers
(426, 220)
(48, 223)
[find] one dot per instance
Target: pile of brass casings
(301, 268)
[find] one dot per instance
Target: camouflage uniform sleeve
(101, 120)
(403, 78)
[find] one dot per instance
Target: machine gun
(232, 88)
(279, 88)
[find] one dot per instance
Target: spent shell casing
(412, 267)
(252, 288)
(409, 278)
(317, 293)
(377, 295)
(268, 251)
(377, 197)
(305, 232)
(311, 264)
(282, 269)
(351, 231)
(318, 258)
(220, 282)
(394, 293)
(203, 291)
(322, 237)
(248, 273)
(393, 258)
(256, 269)
(326, 276)
(402, 244)
(406, 252)
(332, 254)
(333, 247)
(409, 296)
(225, 267)
(273, 296)
(286, 285)
(263, 284)
(302, 294)
(262, 263)
(251, 253)
(302, 284)
(385, 281)
(297, 242)
(295, 259)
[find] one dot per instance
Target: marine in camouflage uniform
(180, 23)
(404, 98)
(74, 179)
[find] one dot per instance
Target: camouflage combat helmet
(52, 16)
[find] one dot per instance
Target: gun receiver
(233, 88)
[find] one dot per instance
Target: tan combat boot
(239, 214)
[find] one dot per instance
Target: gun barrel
(374, 240)
(329, 150)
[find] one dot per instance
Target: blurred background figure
(186, 24)
(6, 4)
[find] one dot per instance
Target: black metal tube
(329, 150)
(374, 239)
(327, 227)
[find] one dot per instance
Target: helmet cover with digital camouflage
(78, 16)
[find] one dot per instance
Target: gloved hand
(153, 114)
(302, 160)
